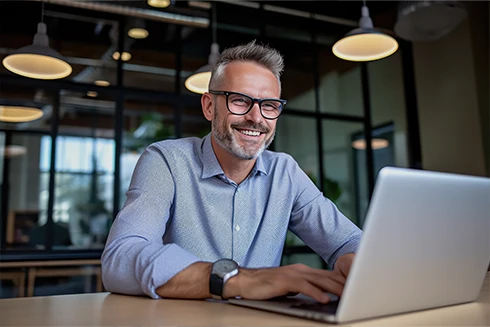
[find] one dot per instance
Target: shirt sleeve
(319, 223)
(135, 261)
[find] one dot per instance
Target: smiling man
(208, 217)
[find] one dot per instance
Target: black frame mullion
(118, 140)
(118, 121)
(5, 192)
(411, 108)
(366, 96)
(178, 72)
(319, 121)
(52, 171)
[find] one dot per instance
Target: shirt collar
(211, 166)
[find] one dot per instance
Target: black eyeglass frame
(259, 101)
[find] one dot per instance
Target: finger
(328, 284)
(335, 275)
(321, 273)
(327, 280)
(312, 291)
(328, 274)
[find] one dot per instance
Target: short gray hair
(262, 55)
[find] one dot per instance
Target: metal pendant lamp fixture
(19, 114)
(376, 144)
(198, 82)
(159, 3)
(365, 43)
(38, 60)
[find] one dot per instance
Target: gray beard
(227, 140)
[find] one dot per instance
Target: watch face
(224, 266)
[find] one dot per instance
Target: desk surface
(105, 309)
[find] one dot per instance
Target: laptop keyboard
(328, 308)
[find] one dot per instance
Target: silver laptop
(425, 245)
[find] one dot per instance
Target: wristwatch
(221, 272)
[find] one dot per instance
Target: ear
(207, 104)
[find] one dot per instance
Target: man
(208, 217)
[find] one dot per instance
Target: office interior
(64, 174)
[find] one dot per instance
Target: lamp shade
(198, 82)
(38, 60)
(428, 20)
(11, 151)
(376, 144)
(365, 43)
(138, 33)
(159, 3)
(126, 56)
(19, 114)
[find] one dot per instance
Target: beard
(225, 138)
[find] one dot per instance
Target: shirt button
(237, 228)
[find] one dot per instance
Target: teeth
(251, 133)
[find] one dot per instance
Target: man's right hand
(266, 283)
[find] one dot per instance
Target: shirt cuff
(172, 260)
(350, 247)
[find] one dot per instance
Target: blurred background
(65, 169)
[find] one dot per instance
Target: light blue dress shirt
(181, 208)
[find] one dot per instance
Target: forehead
(250, 78)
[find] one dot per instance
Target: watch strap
(216, 286)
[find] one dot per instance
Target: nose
(254, 113)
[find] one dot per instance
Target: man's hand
(343, 264)
(261, 284)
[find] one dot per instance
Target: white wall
(449, 115)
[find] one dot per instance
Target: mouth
(249, 132)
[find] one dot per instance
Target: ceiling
(87, 38)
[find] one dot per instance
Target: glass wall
(64, 176)
(24, 189)
(341, 170)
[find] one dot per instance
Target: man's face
(247, 136)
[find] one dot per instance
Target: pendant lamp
(376, 144)
(365, 43)
(19, 114)
(11, 151)
(38, 60)
(198, 82)
(159, 3)
(137, 29)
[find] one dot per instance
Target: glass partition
(341, 171)
(84, 168)
(340, 85)
(24, 189)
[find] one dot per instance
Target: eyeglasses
(240, 104)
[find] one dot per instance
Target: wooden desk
(105, 309)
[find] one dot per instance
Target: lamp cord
(213, 14)
(42, 11)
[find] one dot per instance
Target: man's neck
(234, 168)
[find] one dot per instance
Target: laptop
(425, 245)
